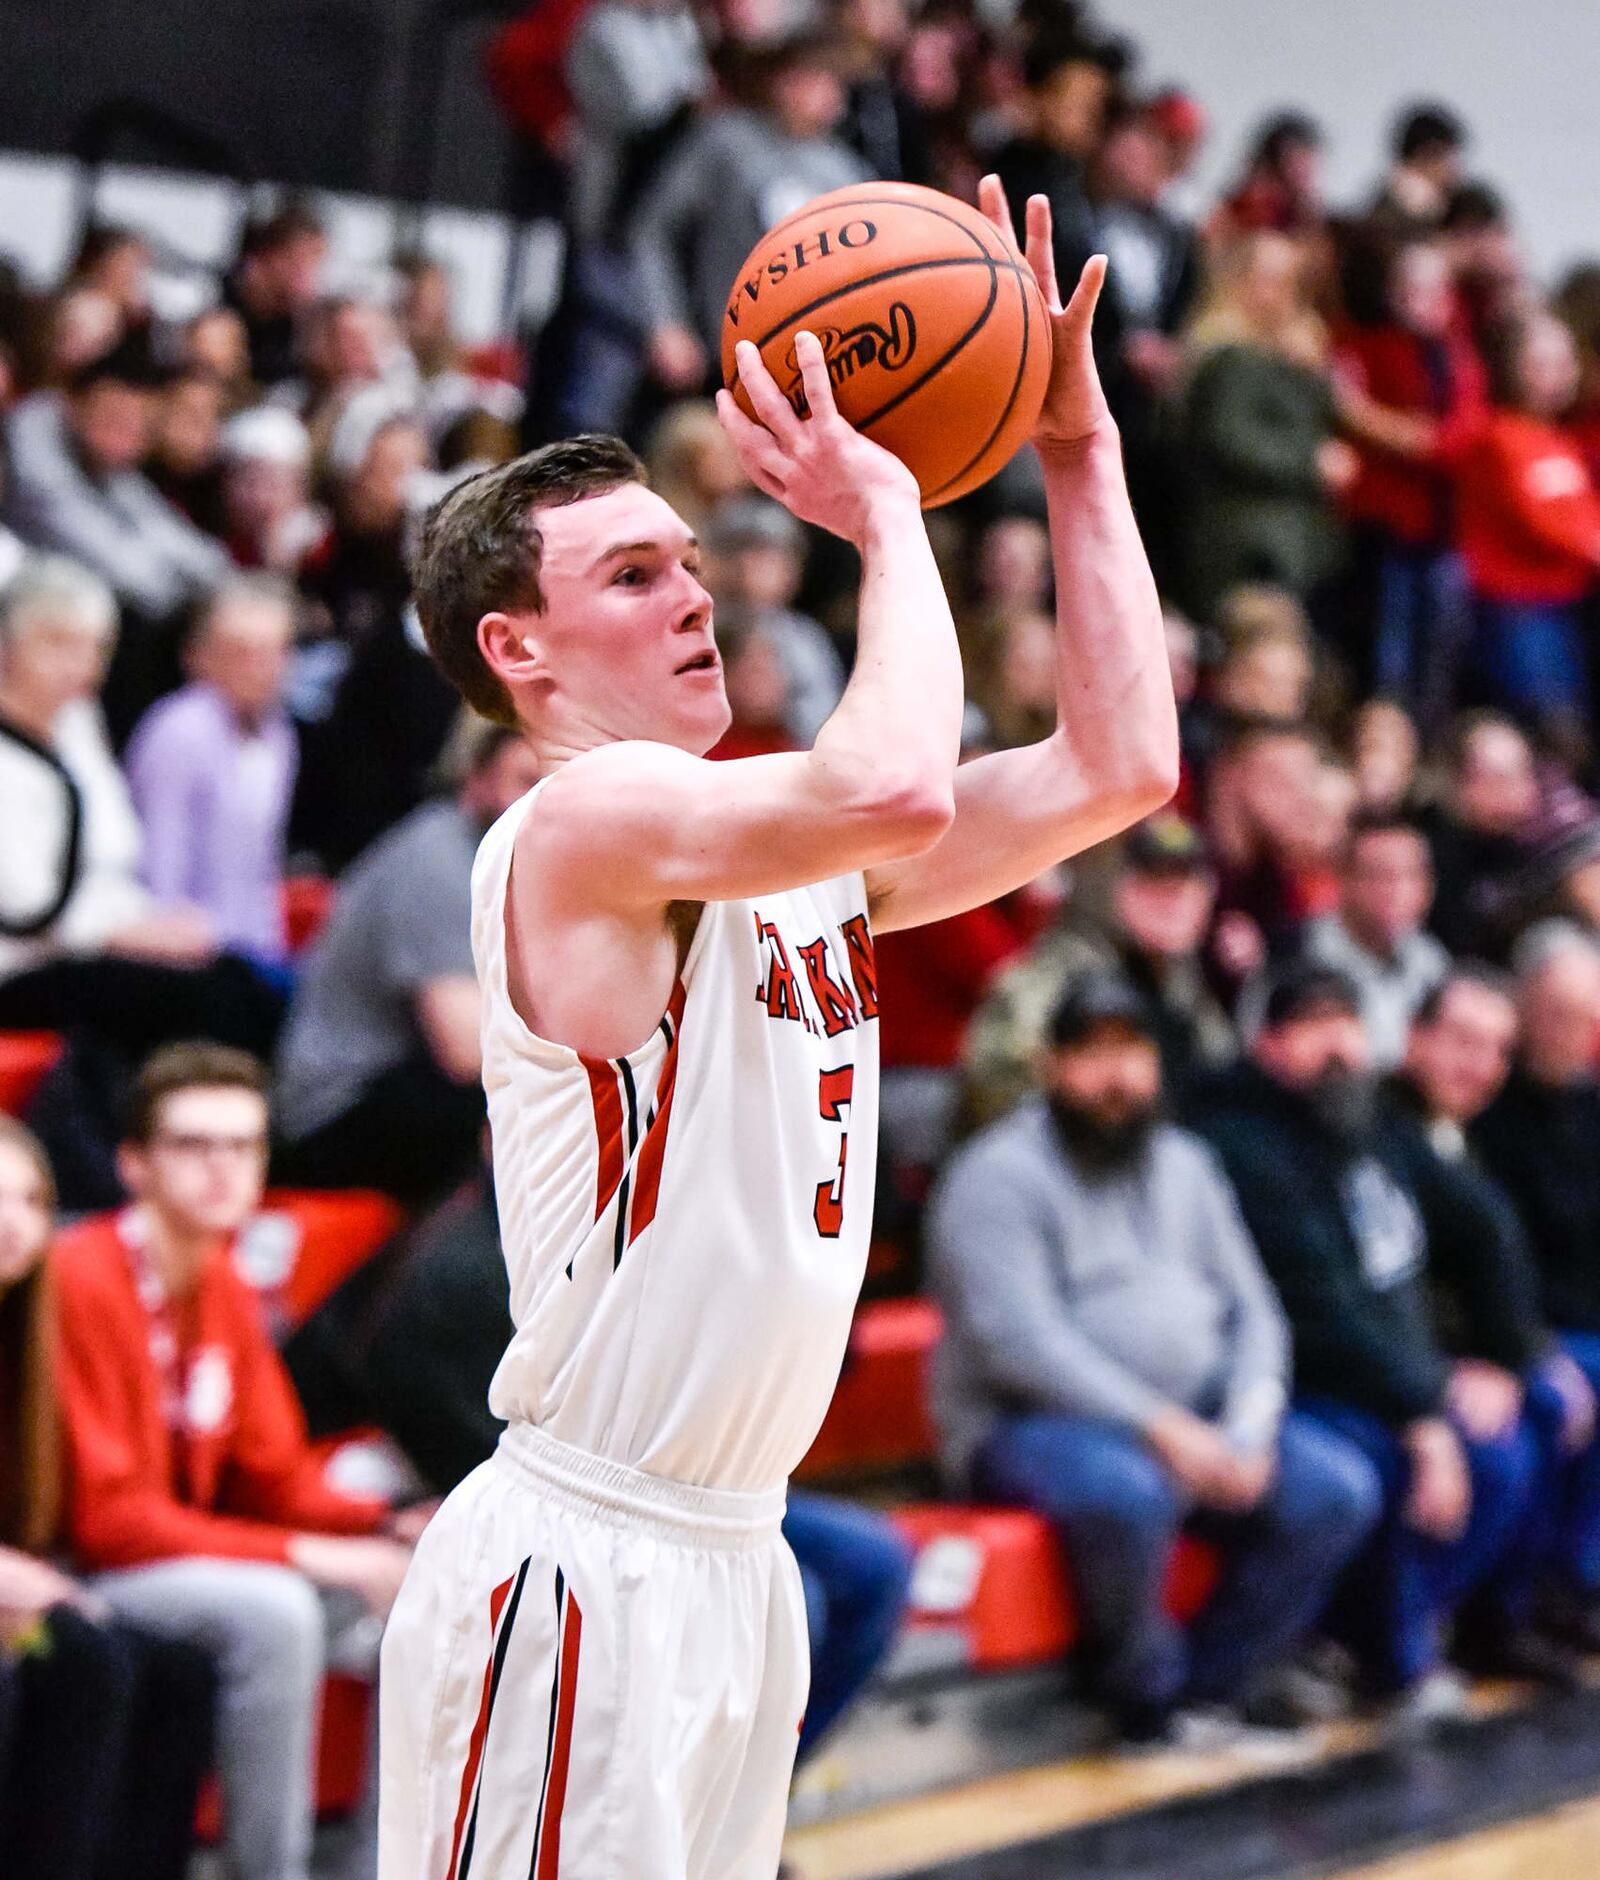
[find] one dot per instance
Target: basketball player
(597, 1668)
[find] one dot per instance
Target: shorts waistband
(706, 1517)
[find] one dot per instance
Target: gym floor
(1512, 1792)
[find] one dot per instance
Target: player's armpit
(636, 825)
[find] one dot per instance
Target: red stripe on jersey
(480, 1727)
(607, 1100)
(548, 1858)
(647, 1177)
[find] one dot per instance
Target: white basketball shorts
(591, 1674)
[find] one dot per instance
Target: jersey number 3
(833, 1095)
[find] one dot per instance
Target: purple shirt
(213, 797)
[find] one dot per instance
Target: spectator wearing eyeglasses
(195, 1500)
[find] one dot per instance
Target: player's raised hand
(819, 467)
(1074, 403)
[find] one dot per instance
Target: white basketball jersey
(686, 1227)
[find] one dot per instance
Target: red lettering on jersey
(781, 995)
(863, 963)
(834, 1002)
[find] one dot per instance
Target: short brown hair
(480, 546)
(178, 1067)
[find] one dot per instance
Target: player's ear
(511, 649)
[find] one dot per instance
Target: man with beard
(1347, 1215)
(1114, 1358)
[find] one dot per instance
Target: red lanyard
(166, 1350)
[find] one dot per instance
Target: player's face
(625, 636)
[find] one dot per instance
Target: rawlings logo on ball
(848, 349)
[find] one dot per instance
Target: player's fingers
(771, 407)
(1042, 251)
(992, 201)
(758, 450)
(813, 364)
(1086, 295)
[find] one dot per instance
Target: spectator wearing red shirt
(1529, 520)
(192, 1490)
(1412, 395)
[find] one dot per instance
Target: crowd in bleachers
(1253, 1163)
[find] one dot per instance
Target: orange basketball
(934, 328)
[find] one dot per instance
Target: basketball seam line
(1010, 405)
(907, 391)
(888, 274)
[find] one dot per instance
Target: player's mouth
(702, 662)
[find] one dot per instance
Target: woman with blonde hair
(1256, 417)
(105, 1733)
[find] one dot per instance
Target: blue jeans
(1532, 657)
(1422, 623)
(1559, 1548)
(1394, 1599)
(855, 1569)
(1118, 1511)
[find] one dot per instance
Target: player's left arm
(1113, 757)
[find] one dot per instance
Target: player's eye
(630, 576)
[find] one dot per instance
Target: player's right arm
(633, 826)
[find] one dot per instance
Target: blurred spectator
(932, 979)
(374, 709)
(1068, 81)
(882, 122)
(1490, 277)
(1530, 529)
(378, 1077)
(193, 1490)
(185, 461)
(1411, 391)
(1383, 753)
(1155, 262)
(1345, 1213)
(216, 343)
(105, 1731)
(1264, 676)
(1375, 936)
(692, 462)
(1281, 185)
(1538, 1139)
(211, 768)
(273, 286)
(633, 71)
(1259, 456)
(115, 262)
(267, 518)
(1504, 1361)
(76, 486)
(1425, 173)
(84, 945)
(757, 552)
(1540, 1135)
(1277, 832)
(1114, 1357)
(739, 170)
(1482, 832)
(757, 685)
(1161, 899)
